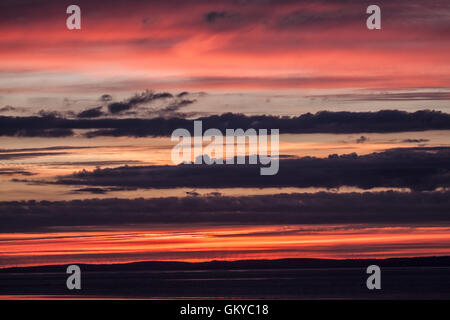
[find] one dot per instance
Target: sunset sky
(356, 181)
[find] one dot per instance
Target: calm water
(320, 283)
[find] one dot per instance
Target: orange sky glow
(128, 244)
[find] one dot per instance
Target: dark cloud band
(414, 168)
(321, 122)
(384, 208)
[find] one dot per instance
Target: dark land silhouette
(401, 278)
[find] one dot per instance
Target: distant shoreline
(289, 263)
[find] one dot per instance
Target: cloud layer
(414, 168)
(320, 122)
(384, 208)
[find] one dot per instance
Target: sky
(273, 57)
(86, 117)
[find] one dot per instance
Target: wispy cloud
(388, 96)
